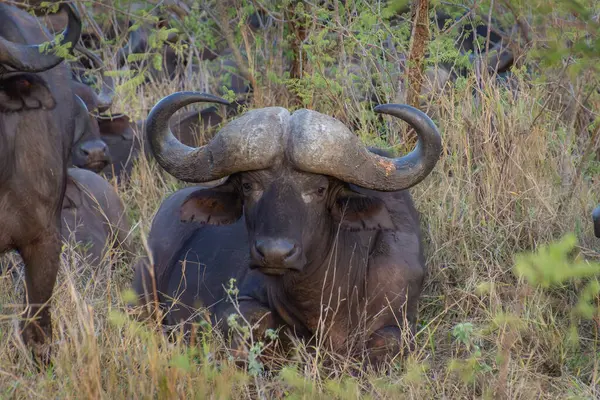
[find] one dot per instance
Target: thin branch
(461, 19)
(228, 33)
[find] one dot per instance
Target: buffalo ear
(216, 206)
(23, 91)
(117, 125)
(358, 212)
(72, 198)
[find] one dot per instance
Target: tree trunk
(419, 39)
(299, 31)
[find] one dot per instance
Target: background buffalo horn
(323, 145)
(247, 143)
(107, 90)
(596, 219)
(28, 58)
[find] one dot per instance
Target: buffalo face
(290, 215)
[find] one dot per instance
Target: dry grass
(509, 163)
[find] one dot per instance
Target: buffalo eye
(321, 191)
(24, 84)
(247, 187)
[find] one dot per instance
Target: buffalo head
(295, 177)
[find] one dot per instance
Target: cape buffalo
(37, 125)
(93, 215)
(596, 219)
(319, 232)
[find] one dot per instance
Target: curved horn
(107, 90)
(248, 143)
(323, 145)
(596, 219)
(29, 58)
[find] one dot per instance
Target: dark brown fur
(124, 145)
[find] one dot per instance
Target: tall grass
(509, 180)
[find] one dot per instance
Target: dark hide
(93, 216)
(193, 128)
(123, 143)
(36, 132)
(596, 219)
(293, 241)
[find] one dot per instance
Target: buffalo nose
(93, 155)
(96, 149)
(277, 251)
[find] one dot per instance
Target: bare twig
(461, 19)
(590, 148)
(275, 15)
(227, 32)
(520, 21)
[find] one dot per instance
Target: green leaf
(182, 362)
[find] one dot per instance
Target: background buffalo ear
(118, 125)
(23, 91)
(358, 212)
(216, 206)
(72, 198)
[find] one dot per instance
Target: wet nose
(277, 252)
(95, 155)
(95, 149)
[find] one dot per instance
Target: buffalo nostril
(260, 248)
